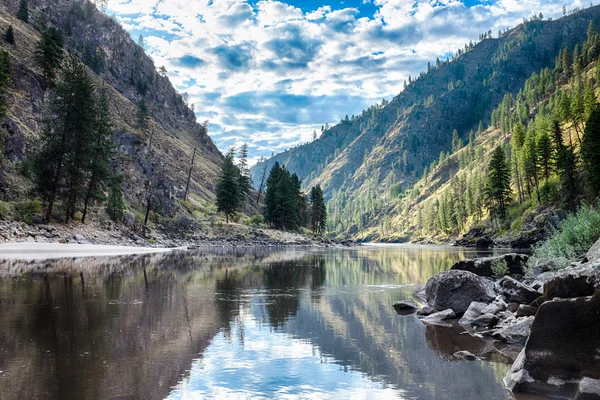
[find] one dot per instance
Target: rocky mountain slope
(160, 154)
(389, 145)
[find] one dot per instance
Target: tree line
(286, 207)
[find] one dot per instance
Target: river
(278, 323)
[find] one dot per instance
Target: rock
(419, 294)
(484, 242)
(515, 334)
(473, 312)
(593, 253)
(465, 356)
(457, 289)
(525, 311)
(425, 311)
(485, 321)
(485, 266)
(79, 239)
(440, 316)
(562, 350)
(470, 238)
(574, 282)
(589, 389)
(491, 309)
(447, 341)
(405, 307)
(554, 264)
(518, 292)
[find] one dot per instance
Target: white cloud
(269, 72)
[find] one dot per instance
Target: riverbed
(247, 323)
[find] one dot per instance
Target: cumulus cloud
(270, 72)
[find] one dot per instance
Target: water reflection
(287, 324)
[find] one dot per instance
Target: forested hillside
(366, 162)
(539, 154)
(155, 131)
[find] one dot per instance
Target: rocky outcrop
(593, 253)
(562, 355)
(456, 290)
(405, 307)
(517, 292)
(514, 263)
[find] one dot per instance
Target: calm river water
(247, 324)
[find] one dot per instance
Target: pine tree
(116, 206)
(66, 145)
(591, 154)
(228, 189)
(244, 178)
(318, 210)
(49, 53)
(545, 152)
(457, 142)
(531, 163)
(100, 155)
(5, 80)
(498, 190)
(142, 115)
(566, 168)
(9, 36)
(23, 12)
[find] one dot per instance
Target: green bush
(499, 268)
(26, 210)
(549, 193)
(574, 237)
(257, 219)
(6, 210)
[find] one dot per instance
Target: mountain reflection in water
(234, 324)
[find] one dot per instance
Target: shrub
(499, 268)
(26, 210)
(549, 193)
(5, 210)
(574, 237)
(257, 219)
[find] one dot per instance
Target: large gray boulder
(593, 253)
(515, 264)
(574, 282)
(516, 332)
(456, 290)
(562, 354)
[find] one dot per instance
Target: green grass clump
(499, 268)
(574, 237)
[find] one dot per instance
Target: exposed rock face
(574, 282)
(563, 351)
(456, 290)
(593, 253)
(484, 242)
(484, 266)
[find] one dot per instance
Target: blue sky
(270, 72)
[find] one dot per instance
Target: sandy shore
(46, 251)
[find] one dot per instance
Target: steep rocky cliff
(128, 74)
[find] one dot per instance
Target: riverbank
(550, 314)
(173, 236)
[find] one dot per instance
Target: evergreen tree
(49, 53)
(66, 143)
(498, 191)
(591, 154)
(244, 178)
(23, 12)
(545, 153)
(5, 80)
(9, 36)
(318, 214)
(457, 142)
(531, 163)
(100, 155)
(142, 114)
(567, 169)
(228, 188)
(116, 206)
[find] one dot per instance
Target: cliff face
(392, 143)
(128, 74)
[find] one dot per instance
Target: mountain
(363, 160)
(120, 66)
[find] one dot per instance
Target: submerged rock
(562, 355)
(456, 290)
(464, 355)
(405, 307)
